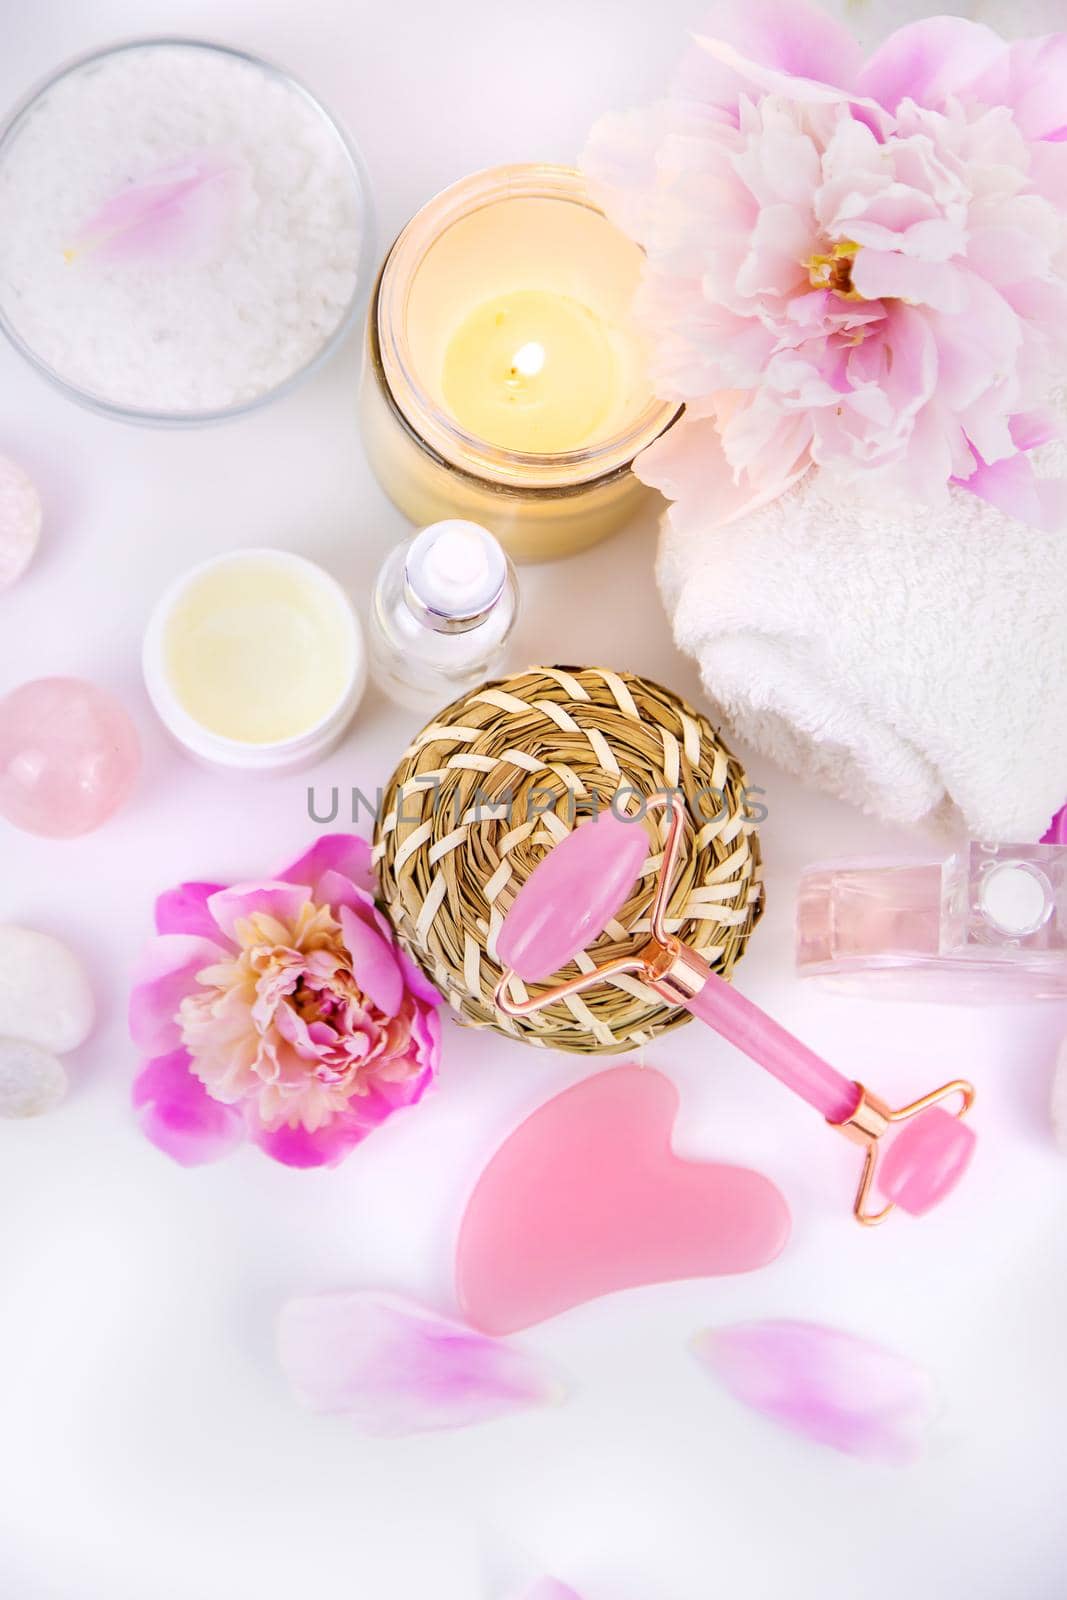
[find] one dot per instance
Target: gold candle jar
(504, 381)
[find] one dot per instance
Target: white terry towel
(899, 657)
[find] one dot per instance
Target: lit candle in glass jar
(505, 382)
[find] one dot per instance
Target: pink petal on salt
(184, 910)
(163, 976)
(282, 901)
(374, 964)
(929, 61)
(829, 1386)
(173, 212)
(346, 853)
(394, 1368)
(179, 1116)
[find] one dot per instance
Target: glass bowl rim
(149, 416)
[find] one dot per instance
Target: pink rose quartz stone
(587, 1197)
(20, 522)
(69, 756)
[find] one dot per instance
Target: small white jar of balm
(255, 661)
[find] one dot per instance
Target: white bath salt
(180, 229)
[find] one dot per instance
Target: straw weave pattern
(500, 776)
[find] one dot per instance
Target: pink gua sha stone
(69, 756)
(587, 1197)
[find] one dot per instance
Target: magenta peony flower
(858, 266)
(282, 1010)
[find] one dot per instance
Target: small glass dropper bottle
(443, 607)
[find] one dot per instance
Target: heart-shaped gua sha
(587, 1197)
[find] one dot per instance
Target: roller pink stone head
(579, 887)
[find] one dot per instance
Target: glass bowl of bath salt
(185, 232)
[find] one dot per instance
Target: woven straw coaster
(500, 776)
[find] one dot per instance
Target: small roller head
(925, 1160)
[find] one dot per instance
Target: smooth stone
(69, 756)
(31, 1080)
(45, 995)
(20, 522)
(587, 1196)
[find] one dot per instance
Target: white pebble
(45, 995)
(31, 1080)
(20, 522)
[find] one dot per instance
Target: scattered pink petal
(173, 212)
(551, 1589)
(162, 978)
(395, 1368)
(179, 1116)
(830, 1386)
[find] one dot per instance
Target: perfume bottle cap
(1016, 897)
(454, 574)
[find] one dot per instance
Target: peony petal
(346, 853)
(885, 275)
(688, 465)
(929, 61)
(829, 1386)
(395, 1368)
(164, 975)
(184, 910)
(374, 964)
(783, 79)
(1014, 488)
(334, 889)
(416, 980)
(1029, 77)
(325, 1147)
(179, 1116)
(282, 901)
(551, 1589)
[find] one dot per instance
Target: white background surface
(148, 1446)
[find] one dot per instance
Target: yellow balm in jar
(255, 661)
(506, 383)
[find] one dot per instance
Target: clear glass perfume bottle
(987, 924)
(443, 608)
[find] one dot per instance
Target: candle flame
(529, 360)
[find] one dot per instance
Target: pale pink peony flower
(858, 266)
(282, 1010)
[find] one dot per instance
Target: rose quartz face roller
(918, 1152)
